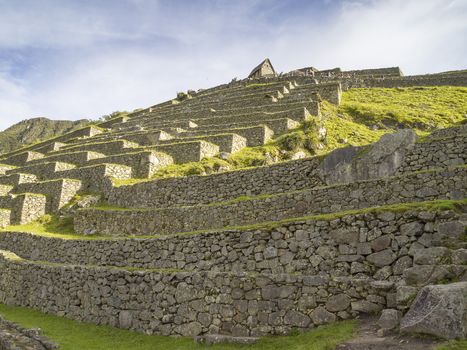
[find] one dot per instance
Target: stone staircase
(240, 254)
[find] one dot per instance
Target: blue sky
(82, 59)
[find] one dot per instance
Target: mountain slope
(36, 129)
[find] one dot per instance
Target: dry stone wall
(446, 184)
(376, 244)
(188, 303)
(283, 177)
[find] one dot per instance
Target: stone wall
(43, 171)
(188, 303)
(16, 179)
(77, 158)
(446, 184)
(5, 217)
(283, 177)
(185, 152)
(439, 153)
(108, 148)
(4, 168)
(408, 81)
(143, 164)
(58, 192)
(379, 244)
(22, 158)
(97, 177)
(27, 207)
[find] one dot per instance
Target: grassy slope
(362, 118)
(72, 335)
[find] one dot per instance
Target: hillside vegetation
(34, 130)
(362, 118)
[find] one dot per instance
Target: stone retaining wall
(58, 192)
(185, 152)
(143, 164)
(190, 304)
(43, 171)
(435, 154)
(283, 177)
(446, 184)
(378, 244)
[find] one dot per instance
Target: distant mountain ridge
(36, 129)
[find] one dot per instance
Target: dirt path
(367, 339)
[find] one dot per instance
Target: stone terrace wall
(435, 154)
(378, 245)
(446, 184)
(416, 80)
(283, 177)
(189, 303)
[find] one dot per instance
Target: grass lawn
(453, 345)
(72, 335)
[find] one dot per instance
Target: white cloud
(106, 59)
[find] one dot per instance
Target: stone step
(211, 339)
(107, 148)
(17, 178)
(5, 217)
(58, 192)
(5, 189)
(139, 137)
(75, 158)
(111, 122)
(85, 132)
(143, 164)
(4, 168)
(445, 184)
(255, 135)
(227, 142)
(54, 146)
(185, 152)
(22, 158)
(25, 207)
(96, 177)
(43, 171)
(15, 337)
(283, 106)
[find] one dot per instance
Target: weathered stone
(366, 307)
(383, 258)
(411, 229)
(380, 243)
(389, 319)
(321, 316)
(418, 274)
(438, 310)
(454, 229)
(189, 329)
(125, 319)
(401, 265)
(345, 236)
(338, 302)
(405, 295)
(296, 319)
(431, 256)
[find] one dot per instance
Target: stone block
(438, 310)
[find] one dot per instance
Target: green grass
(453, 345)
(362, 118)
(423, 108)
(73, 335)
(52, 227)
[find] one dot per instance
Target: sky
(70, 59)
